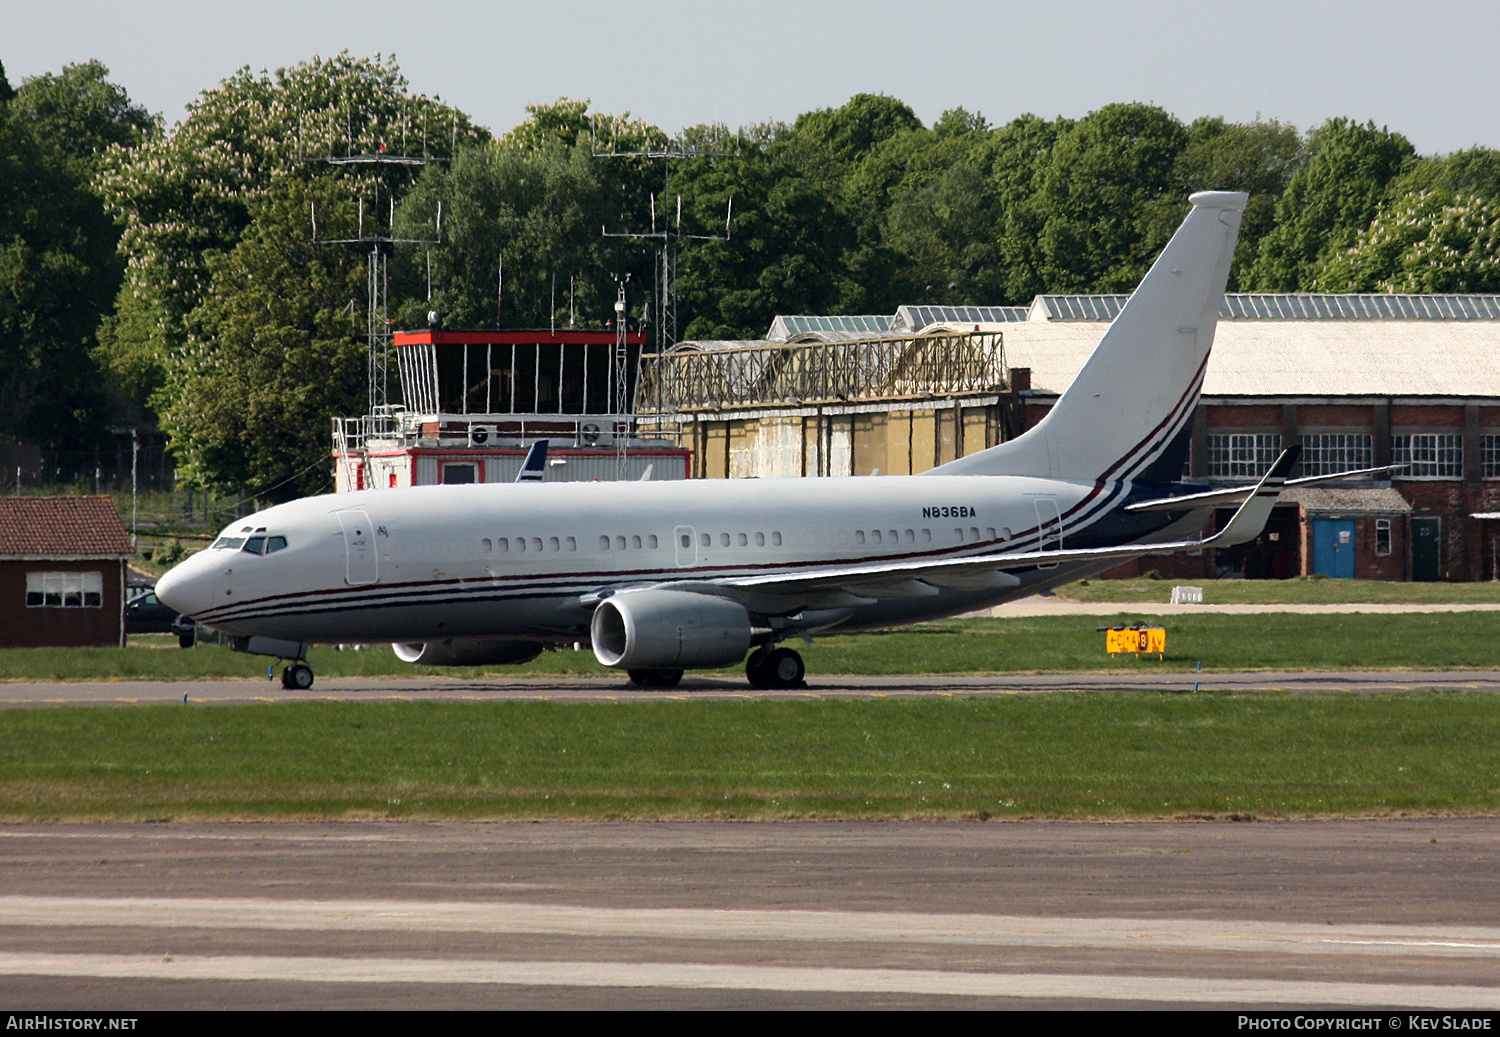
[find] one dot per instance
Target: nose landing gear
(772, 668)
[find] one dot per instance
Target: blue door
(1333, 547)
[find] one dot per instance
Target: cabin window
(760, 540)
(635, 542)
(859, 536)
(959, 534)
(620, 543)
(687, 541)
(604, 543)
(484, 544)
(911, 537)
(991, 532)
(65, 590)
(651, 542)
(974, 532)
(776, 539)
(536, 543)
(744, 540)
(520, 543)
(927, 536)
(705, 540)
(572, 544)
(502, 544)
(554, 544)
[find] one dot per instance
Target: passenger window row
(528, 545)
(734, 539)
(631, 543)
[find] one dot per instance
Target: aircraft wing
(846, 585)
(1214, 498)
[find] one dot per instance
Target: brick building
(62, 572)
(1359, 380)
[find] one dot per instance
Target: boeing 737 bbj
(663, 577)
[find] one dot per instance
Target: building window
(1489, 449)
(1382, 536)
(1242, 456)
(65, 590)
(1428, 456)
(1331, 453)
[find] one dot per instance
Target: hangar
(1358, 380)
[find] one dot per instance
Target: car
(145, 613)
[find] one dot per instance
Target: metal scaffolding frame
(689, 378)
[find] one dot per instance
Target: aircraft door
(686, 540)
(1048, 525)
(361, 559)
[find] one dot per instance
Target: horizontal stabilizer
(1216, 498)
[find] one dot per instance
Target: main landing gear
(297, 677)
(770, 668)
(654, 678)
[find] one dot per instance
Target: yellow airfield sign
(1135, 639)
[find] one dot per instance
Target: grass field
(1082, 756)
(1049, 644)
(1307, 590)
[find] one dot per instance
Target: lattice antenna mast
(382, 243)
(669, 234)
(621, 365)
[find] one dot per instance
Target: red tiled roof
(62, 526)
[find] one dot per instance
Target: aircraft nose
(181, 588)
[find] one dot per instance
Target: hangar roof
(1296, 358)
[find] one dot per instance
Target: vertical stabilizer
(1136, 394)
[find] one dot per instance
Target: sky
(1426, 70)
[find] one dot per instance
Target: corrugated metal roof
(87, 526)
(915, 318)
(786, 327)
(1290, 306)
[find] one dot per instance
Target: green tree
(1257, 157)
(1431, 241)
(539, 210)
(273, 351)
(1328, 201)
(1104, 193)
(187, 196)
(58, 266)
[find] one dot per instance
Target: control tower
(475, 402)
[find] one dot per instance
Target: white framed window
(1242, 455)
(65, 590)
(1334, 452)
(1489, 451)
(1382, 536)
(1428, 455)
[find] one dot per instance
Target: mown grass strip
(1086, 756)
(1047, 644)
(1304, 590)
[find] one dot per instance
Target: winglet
(535, 465)
(1251, 517)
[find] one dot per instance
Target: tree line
(175, 274)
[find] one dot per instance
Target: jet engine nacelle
(468, 653)
(665, 629)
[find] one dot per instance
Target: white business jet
(667, 576)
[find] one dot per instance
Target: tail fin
(535, 465)
(1135, 396)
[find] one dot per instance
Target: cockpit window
(255, 545)
(263, 545)
(274, 544)
(229, 543)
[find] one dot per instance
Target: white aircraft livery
(663, 577)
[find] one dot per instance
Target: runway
(438, 689)
(1373, 914)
